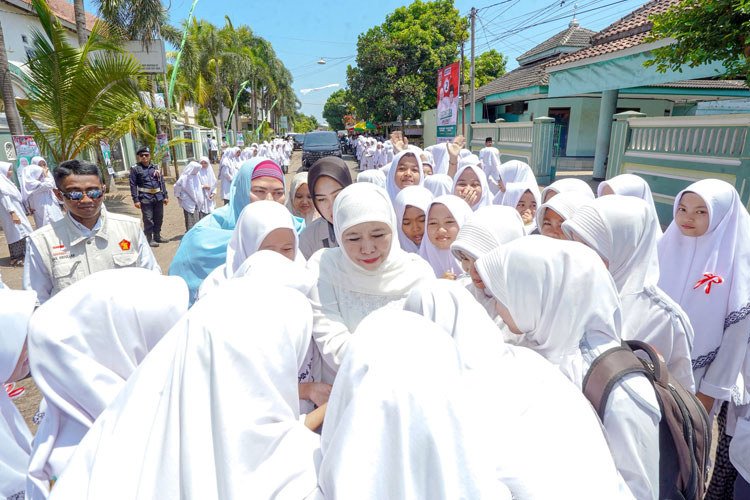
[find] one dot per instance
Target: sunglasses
(144, 154)
(94, 194)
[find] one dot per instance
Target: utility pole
(471, 90)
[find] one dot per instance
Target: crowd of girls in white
(424, 337)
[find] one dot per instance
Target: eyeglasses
(94, 194)
(144, 154)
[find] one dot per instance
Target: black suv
(317, 145)
(298, 139)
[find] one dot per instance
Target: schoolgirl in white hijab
(538, 283)
(472, 187)
(213, 412)
(387, 388)
(442, 261)
(227, 169)
(37, 186)
(376, 177)
(84, 343)
(705, 263)
(187, 190)
(420, 198)
(399, 176)
(298, 181)
(439, 184)
(16, 307)
(12, 215)
(621, 230)
(256, 223)
(569, 185)
(208, 185)
(511, 171)
(631, 185)
(515, 194)
(532, 458)
(348, 287)
(559, 208)
(482, 232)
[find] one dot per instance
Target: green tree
(75, 98)
(490, 66)
(704, 31)
(398, 61)
(336, 108)
(304, 123)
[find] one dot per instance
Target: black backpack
(684, 432)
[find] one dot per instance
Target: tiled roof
(66, 12)
(705, 84)
(519, 78)
(628, 32)
(574, 36)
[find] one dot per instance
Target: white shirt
(37, 278)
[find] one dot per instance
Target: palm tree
(80, 15)
(6, 88)
(76, 98)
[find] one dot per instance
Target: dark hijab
(335, 168)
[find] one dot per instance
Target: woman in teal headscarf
(204, 247)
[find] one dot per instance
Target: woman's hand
(708, 401)
(470, 195)
(454, 148)
(527, 217)
(317, 392)
(16, 219)
(448, 275)
(397, 139)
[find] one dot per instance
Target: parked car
(318, 145)
(299, 140)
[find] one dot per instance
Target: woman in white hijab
(511, 171)
(559, 208)
(470, 183)
(406, 170)
(376, 177)
(532, 458)
(483, 231)
(386, 389)
(189, 193)
(13, 216)
(631, 185)
(568, 185)
(37, 186)
(213, 412)
(445, 216)
(300, 202)
(524, 197)
(228, 167)
(368, 271)
(621, 230)
(84, 343)
(411, 205)
(538, 284)
(208, 184)
(439, 184)
(16, 307)
(705, 263)
(262, 225)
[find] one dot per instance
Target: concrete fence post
(618, 142)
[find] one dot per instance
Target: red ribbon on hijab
(708, 279)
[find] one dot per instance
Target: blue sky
(303, 31)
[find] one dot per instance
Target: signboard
(159, 101)
(447, 108)
(26, 149)
(107, 154)
(240, 140)
(283, 123)
(161, 143)
(153, 59)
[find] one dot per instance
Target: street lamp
(322, 61)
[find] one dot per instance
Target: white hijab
(190, 185)
(375, 176)
(256, 221)
(298, 181)
(414, 196)
(487, 229)
(390, 181)
(632, 185)
(515, 171)
(29, 177)
(564, 204)
(84, 343)
(724, 251)
(213, 412)
(569, 185)
(440, 157)
(541, 281)
(443, 260)
(397, 275)
(7, 187)
(391, 431)
(16, 307)
(439, 184)
(486, 199)
(512, 195)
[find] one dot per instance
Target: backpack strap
(606, 370)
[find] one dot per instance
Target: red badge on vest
(125, 245)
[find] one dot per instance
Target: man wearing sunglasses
(87, 240)
(149, 195)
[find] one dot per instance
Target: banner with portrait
(447, 107)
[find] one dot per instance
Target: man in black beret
(149, 195)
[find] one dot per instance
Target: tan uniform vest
(70, 255)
